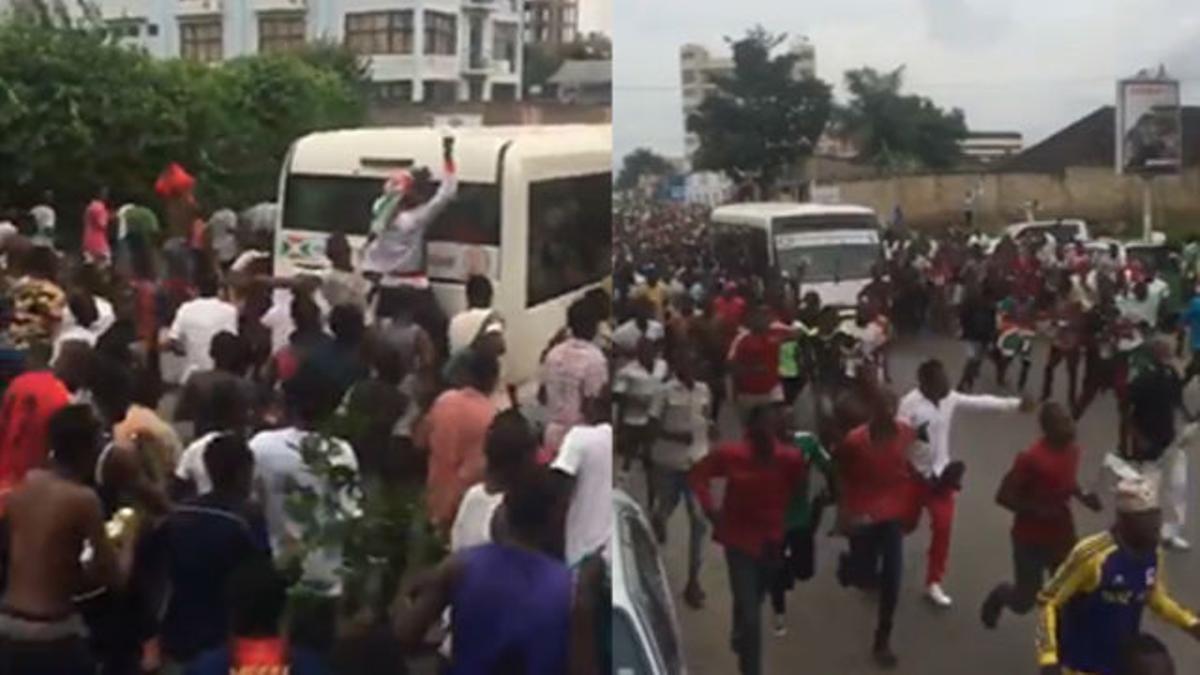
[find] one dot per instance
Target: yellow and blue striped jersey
(1094, 604)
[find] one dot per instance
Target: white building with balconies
(437, 51)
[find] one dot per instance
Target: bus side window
(570, 235)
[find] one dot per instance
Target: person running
(510, 602)
(198, 402)
(573, 371)
(754, 363)
(636, 386)
(200, 545)
(1101, 362)
(1067, 340)
(96, 220)
(1038, 490)
(930, 410)
(876, 484)
(198, 321)
(685, 424)
(584, 470)
(454, 430)
(761, 475)
(977, 319)
(1093, 606)
(54, 520)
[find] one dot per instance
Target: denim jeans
(672, 487)
(749, 578)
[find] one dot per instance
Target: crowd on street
(698, 341)
(208, 469)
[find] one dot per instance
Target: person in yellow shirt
(1091, 610)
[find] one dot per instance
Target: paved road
(830, 628)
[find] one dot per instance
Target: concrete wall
(1094, 193)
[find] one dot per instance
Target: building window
(504, 44)
(279, 33)
(570, 235)
(440, 92)
(380, 32)
(395, 90)
(441, 33)
(123, 29)
(152, 30)
(200, 40)
(504, 92)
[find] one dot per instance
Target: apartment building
(438, 51)
(551, 22)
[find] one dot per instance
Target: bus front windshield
(830, 262)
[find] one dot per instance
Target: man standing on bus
(396, 247)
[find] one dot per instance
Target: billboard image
(1148, 126)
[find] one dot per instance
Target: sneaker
(1177, 543)
(884, 657)
(780, 625)
(993, 606)
(938, 597)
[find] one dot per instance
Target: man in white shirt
(481, 327)
(45, 218)
(280, 469)
(1140, 308)
(585, 462)
(197, 322)
(930, 410)
(683, 410)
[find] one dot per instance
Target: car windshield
(832, 262)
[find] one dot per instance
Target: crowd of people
(696, 330)
(207, 469)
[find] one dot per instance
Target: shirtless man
(51, 517)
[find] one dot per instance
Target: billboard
(1148, 126)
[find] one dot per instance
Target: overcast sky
(1031, 66)
(595, 15)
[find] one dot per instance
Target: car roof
(776, 209)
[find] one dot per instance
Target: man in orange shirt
(454, 432)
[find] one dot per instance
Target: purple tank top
(510, 613)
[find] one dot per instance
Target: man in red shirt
(876, 483)
(730, 307)
(761, 475)
(25, 412)
(1038, 490)
(754, 362)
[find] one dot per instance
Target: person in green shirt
(801, 521)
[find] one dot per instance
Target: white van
(533, 212)
(836, 244)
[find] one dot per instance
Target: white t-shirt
(196, 323)
(627, 336)
(105, 317)
(587, 455)
(277, 467)
(638, 389)
(473, 522)
(466, 325)
(191, 463)
(682, 410)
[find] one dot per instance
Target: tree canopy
(896, 130)
(78, 112)
(761, 119)
(641, 162)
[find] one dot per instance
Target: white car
(645, 630)
(1064, 230)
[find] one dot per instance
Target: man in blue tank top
(510, 602)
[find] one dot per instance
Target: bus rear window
(570, 235)
(343, 204)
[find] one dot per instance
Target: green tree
(641, 162)
(78, 111)
(541, 61)
(762, 119)
(899, 131)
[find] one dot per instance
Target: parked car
(1064, 230)
(645, 631)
